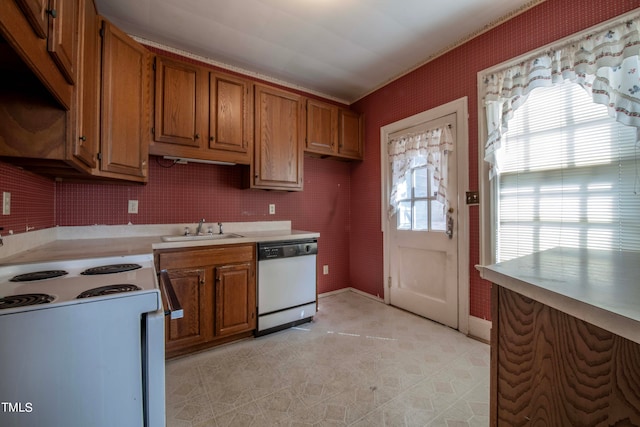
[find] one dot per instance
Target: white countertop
(599, 287)
(65, 243)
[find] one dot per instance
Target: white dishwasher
(286, 284)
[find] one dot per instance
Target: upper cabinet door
(179, 103)
(63, 36)
(350, 134)
(279, 132)
(229, 113)
(125, 91)
(86, 138)
(36, 13)
(322, 127)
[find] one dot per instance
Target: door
(350, 134)
(125, 91)
(423, 247)
(86, 140)
(230, 127)
(235, 299)
(178, 106)
(279, 134)
(190, 286)
(322, 127)
(62, 42)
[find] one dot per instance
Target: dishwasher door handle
(174, 309)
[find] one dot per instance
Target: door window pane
(404, 215)
(418, 209)
(420, 183)
(421, 215)
(438, 217)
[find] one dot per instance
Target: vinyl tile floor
(359, 363)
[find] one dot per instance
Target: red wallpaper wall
(32, 200)
(442, 80)
(335, 192)
(186, 193)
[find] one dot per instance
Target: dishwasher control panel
(287, 249)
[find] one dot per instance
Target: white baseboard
(480, 328)
(354, 290)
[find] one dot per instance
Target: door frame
(460, 107)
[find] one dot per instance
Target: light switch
(133, 206)
(272, 209)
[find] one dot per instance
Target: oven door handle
(174, 309)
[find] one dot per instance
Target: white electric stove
(82, 343)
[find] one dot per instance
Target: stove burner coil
(108, 290)
(38, 275)
(110, 269)
(24, 300)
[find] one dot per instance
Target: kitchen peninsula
(565, 340)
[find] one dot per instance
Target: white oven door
(75, 365)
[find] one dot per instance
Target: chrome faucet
(199, 229)
(220, 228)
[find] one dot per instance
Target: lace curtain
(428, 148)
(604, 63)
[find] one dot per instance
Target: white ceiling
(342, 49)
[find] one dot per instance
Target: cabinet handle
(83, 138)
(202, 281)
(212, 138)
(53, 13)
(197, 136)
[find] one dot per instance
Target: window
(568, 174)
(418, 207)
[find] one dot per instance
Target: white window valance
(605, 63)
(428, 147)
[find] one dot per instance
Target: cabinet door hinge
(154, 63)
(101, 32)
(99, 156)
(153, 131)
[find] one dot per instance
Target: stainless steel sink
(193, 238)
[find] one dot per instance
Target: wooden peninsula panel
(552, 369)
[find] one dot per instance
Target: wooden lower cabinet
(216, 287)
(195, 327)
(551, 369)
(234, 292)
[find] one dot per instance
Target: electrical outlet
(272, 209)
(325, 269)
(6, 203)
(133, 206)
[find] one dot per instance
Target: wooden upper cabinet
(86, 133)
(333, 131)
(178, 108)
(322, 127)
(36, 12)
(63, 36)
(201, 114)
(350, 134)
(278, 145)
(57, 21)
(124, 115)
(17, 29)
(229, 114)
